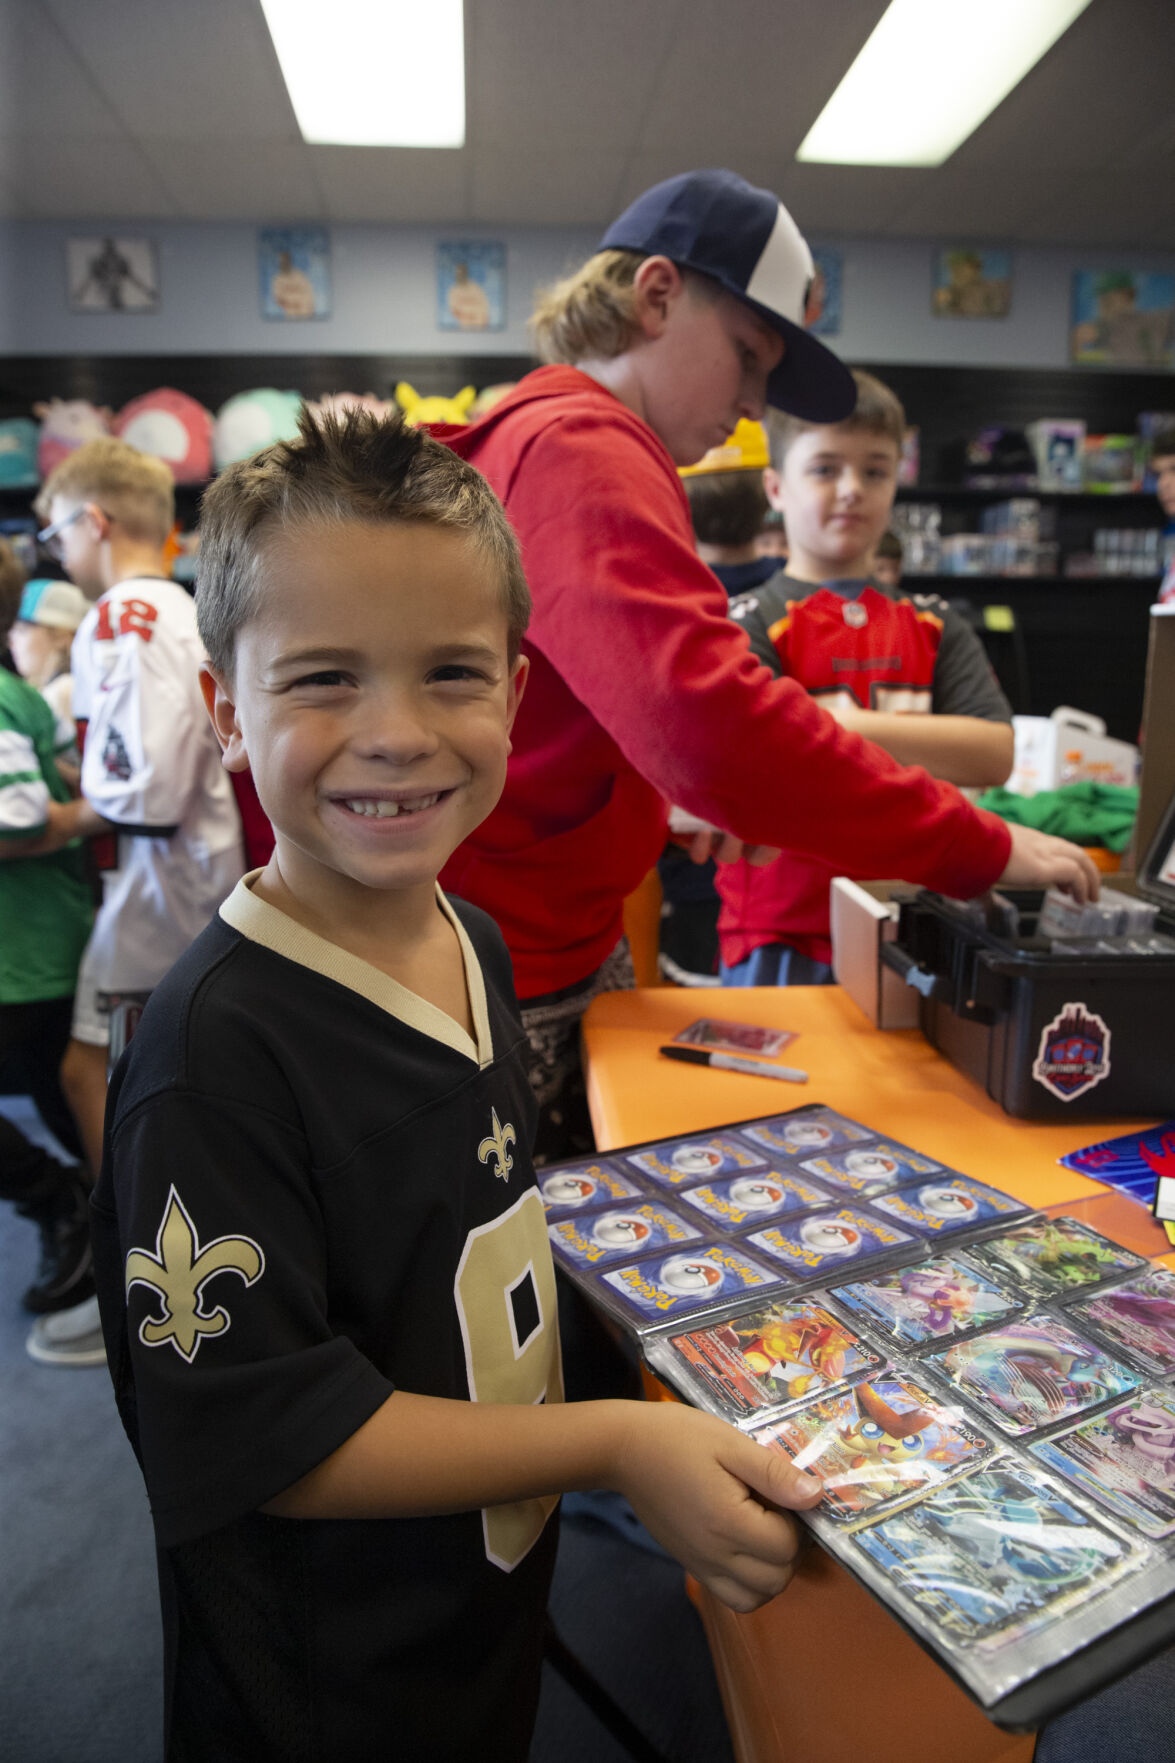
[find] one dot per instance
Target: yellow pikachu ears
(418, 410)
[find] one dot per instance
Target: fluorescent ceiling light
(929, 75)
(373, 73)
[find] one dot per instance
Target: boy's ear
(514, 690)
(222, 712)
(658, 284)
(771, 486)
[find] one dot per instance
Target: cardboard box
(1068, 747)
(864, 915)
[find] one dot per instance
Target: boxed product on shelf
(1058, 445)
(1068, 747)
(999, 458)
(1111, 464)
(981, 1411)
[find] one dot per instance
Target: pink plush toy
(66, 424)
(172, 427)
(338, 403)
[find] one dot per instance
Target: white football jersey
(151, 765)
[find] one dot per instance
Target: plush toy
(66, 424)
(338, 403)
(18, 454)
(419, 410)
(172, 427)
(252, 420)
(488, 397)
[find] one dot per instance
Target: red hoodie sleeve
(637, 627)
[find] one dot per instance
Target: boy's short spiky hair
(342, 468)
(133, 488)
(878, 411)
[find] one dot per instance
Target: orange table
(823, 1674)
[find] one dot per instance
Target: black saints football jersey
(317, 1188)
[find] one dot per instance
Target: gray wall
(384, 299)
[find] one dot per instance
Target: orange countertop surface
(782, 1669)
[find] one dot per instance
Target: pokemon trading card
(619, 1234)
(928, 1301)
(679, 1161)
(767, 1357)
(871, 1169)
(821, 1243)
(753, 1199)
(663, 1286)
(876, 1444)
(1125, 1458)
(1138, 1319)
(1002, 1546)
(568, 1188)
(734, 1037)
(949, 1203)
(1032, 1373)
(807, 1131)
(1051, 1255)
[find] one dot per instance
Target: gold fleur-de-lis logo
(496, 1147)
(179, 1270)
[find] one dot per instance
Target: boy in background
(1162, 463)
(41, 638)
(45, 917)
(886, 568)
(877, 661)
(322, 1258)
(151, 774)
(728, 505)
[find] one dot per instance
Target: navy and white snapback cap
(718, 225)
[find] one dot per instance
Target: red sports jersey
(886, 653)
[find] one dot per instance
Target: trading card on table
(1125, 1458)
(870, 1169)
(734, 1037)
(771, 1355)
(662, 1286)
(678, 1161)
(806, 1131)
(994, 1549)
(1138, 1319)
(620, 1233)
(1051, 1255)
(876, 1444)
(584, 1187)
(1033, 1372)
(929, 1301)
(949, 1203)
(752, 1199)
(821, 1243)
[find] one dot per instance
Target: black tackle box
(1051, 1032)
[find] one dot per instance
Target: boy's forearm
(424, 1455)
(964, 750)
(67, 821)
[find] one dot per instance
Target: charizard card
(807, 1131)
(929, 1300)
(876, 1444)
(948, 1203)
(753, 1199)
(998, 1548)
(1032, 1373)
(619, 1234)
(1051, 1255)
(870, 1169)
(678, 1162)
(1138, 1319)
(768, 1356)
(821, 1243)
(1125, 1458)
(662, 1286)
(569, 1188)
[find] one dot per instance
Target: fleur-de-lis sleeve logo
(179, 1270)
(496, 1146)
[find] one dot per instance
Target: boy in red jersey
(877, 660)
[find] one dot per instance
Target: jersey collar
(263, 923)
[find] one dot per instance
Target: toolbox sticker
(1074, 1052)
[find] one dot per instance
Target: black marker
(730, 1062)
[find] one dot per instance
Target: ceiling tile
(563, 188)
(393, 184)
(71, 179)
(238, 180)
(46, 87)
(849, 199)
(182, 70)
